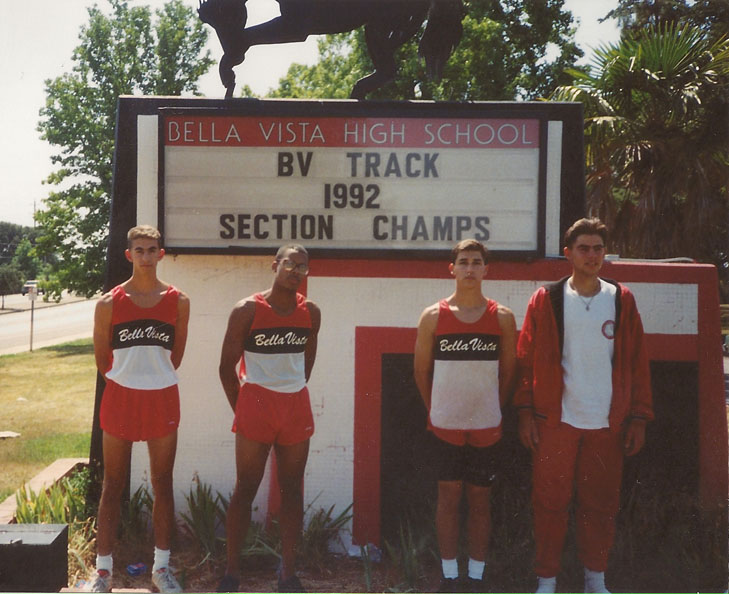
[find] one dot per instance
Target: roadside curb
(40, 304)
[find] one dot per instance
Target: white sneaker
(165, 581)
(595, 582)
(546, 585)
(99, 582)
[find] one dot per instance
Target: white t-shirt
(589, 339)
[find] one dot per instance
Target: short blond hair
(143, 232)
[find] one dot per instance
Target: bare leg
(250, 461)
(116, 470)
(446, 517)
(161, 463)
(291, 462)
(479, 521)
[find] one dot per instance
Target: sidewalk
(18, 303)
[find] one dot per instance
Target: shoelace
(101, 583)
(166, 577)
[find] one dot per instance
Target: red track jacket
(539, 352)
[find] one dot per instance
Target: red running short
(266, 416)
(139, 415)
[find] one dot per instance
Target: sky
(37, 38)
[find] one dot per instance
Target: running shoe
(164, 581)
(101, 582)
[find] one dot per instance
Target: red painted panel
(370, 344)
(543, 270)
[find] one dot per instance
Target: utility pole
(32, 295)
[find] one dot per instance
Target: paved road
(72, 319)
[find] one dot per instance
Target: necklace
(585, 302)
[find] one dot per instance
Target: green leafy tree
(657, 163)
(26, 260)
(712, 16)
(10, 236)
(511, 49)
(10, 281)
(123, 53)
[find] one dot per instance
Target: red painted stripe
(672, 347)
(370, 344)
(351, 132)
(542, 270)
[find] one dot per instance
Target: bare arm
(507, 358)
(312, 342)
(239, 326)
(183, 317)
(423, 360)
(102, 333)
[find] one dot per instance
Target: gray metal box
(33, 557)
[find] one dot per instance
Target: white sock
(104, 562)
(475, 569)
(595, 581)
(450, 568)
(161, 559)
(546, 585)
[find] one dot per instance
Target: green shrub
(205, 518)
(409, 556)
(136, 514)
(63, 503)
(366, 567)
(320, 530)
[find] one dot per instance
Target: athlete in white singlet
(465, 357)
(273, 337)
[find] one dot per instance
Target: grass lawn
(48, 397)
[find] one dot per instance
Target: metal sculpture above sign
(388, 25)
(365, 183)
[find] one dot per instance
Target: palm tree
(657, 141)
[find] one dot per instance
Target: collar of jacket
(555, 291)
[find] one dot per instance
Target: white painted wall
(215, 283)
(206, 443)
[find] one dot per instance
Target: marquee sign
(365, 183)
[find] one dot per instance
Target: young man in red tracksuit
(465, 363)
(584, 398)
(273, 336)
(140, 332)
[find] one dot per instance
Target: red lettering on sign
(246, 131)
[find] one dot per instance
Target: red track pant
(589, 462)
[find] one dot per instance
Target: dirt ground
(341, 574)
